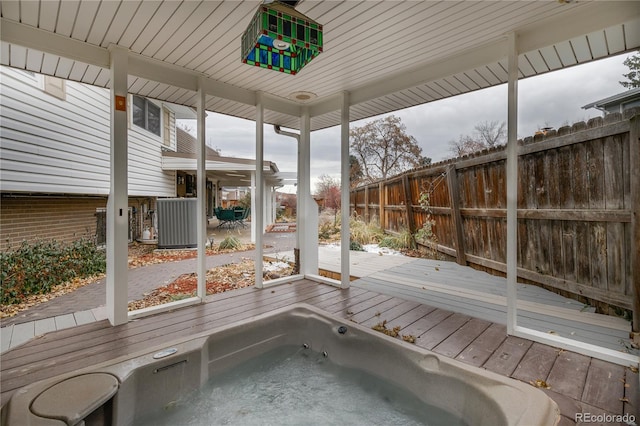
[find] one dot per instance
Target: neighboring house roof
(623, 98)
(230, 171)
(187, 144)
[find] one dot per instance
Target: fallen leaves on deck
(540, 384)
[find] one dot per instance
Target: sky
(549, 100)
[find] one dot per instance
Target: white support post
(344, 201)
(512, 186)
(118, 202)
(309, 212)
(201, 216)
(258, 192)
(253, 207)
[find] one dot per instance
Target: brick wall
(64, 219)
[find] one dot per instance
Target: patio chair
(243, 217)
(226, 217)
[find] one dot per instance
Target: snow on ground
(275, 266)
(370, 248)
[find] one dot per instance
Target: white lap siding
(50, 145)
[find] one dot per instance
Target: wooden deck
(577, 383)
(464, 290)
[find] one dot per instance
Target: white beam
(118, 201)
(48, 42)
(512, 185)
(201, 187)
(259, 190)
(344, 195)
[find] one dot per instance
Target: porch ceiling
(388, 55)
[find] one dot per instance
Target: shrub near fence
(578, 206)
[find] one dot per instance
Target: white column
(253, 207)
(259, 189)
(309, 212)
(118, 202)
(512, 186)
(201, 216)
(344, 201)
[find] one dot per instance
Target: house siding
(52, 146)
(61, 218)
(55, 161)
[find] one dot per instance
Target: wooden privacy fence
(578, 207)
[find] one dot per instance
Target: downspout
(296, 250)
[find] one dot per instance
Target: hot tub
(133, 389)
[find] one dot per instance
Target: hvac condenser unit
(177, 223)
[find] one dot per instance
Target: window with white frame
(147, 115)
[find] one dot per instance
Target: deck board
(536, 364)
(569, 373)
(478, 342)
(460, 339)
(479, 351)
(602, 387)
(508, 355)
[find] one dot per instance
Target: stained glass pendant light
(281, 38)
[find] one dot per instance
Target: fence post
(381, 203)
(366, 204)
(408, 205)
(634, 179)
(456, 217)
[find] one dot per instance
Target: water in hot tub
(293, 386)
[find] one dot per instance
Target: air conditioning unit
(177, 223)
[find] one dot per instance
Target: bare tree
(486, 135)
(383, 148)
(492, 133)
(328, 189)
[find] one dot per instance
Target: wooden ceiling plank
(632, 34)
(139, 22)
(67, 17)
(29, 12)
(34, 60)
(175, 42)
(159, 36)
(104, 78)
(100, 25)
(536, 61)
(4, 53)
(77, 71)
(91, 74)
(156, 24)
(49, 64)
(10, 9)
(85, 20)
(565, 52)
(48, 15)
(551, 58)
(581, 49)
(210, 35)
(121, 21)
(18, 56)
(615, 39)
(598, 44)
(64, 67)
